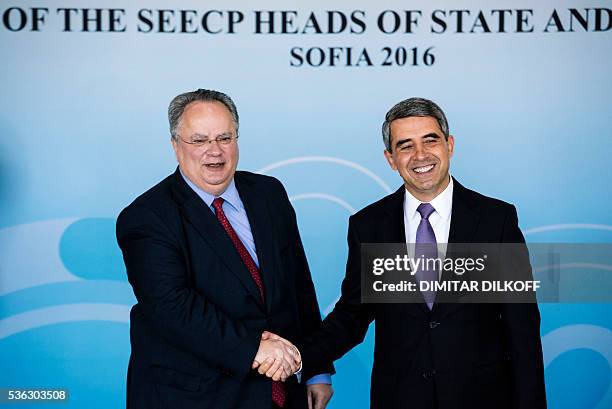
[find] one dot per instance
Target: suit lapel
(394, 222)
(258, 214)
(464, 221)
(206, 224)
(464, 215)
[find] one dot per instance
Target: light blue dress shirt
(236, 214)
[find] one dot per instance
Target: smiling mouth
(214, 165)
(423, 169)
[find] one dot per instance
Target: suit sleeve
(346, 326)
(521, 324)
(308, 306)
(157, 271)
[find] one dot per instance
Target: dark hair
(413, 107)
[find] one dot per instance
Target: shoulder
(156, 204)
(381, 208)
(261, 182)
(485, 204)
(257, 178)
(498, 220)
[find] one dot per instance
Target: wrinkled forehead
(206, 118)
(414, 127)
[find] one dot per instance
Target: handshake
(276, 357)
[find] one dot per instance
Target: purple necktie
(426, 247)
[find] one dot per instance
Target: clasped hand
(276, 357)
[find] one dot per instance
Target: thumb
(309, 394)
(265, 335)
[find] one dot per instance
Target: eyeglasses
(198, 142)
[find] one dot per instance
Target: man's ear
(174, 143)
(390, 159)
(451, 145)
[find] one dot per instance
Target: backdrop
(85, 87)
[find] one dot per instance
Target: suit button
(428, 374)
(433, 324)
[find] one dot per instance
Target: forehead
(414, 127)
(204, 115)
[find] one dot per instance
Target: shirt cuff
(324, 378)
(321, 378)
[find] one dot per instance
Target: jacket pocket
(172, 377)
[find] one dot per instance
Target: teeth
(423, 169)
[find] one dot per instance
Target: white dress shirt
(440, 219)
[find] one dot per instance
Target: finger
(265, 366)
(284, 371)
(316, 399)
(255, 364)
(298, 356)
(270, 335)
(288, 371)
(277, 363)
(283, 375)
(290, 365)
(326, 397)
(318, 404)
(309, 394)
(296, 364)
(279, 374)
(276, 375)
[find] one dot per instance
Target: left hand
(319, 395)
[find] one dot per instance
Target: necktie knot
(425, 210)
(218, 204)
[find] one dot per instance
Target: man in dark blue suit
(215, 260)
(434, 355)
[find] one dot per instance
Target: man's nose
(419, 151)
(213, 148)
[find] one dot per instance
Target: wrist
(299, 370)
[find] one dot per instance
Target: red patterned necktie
(279, 394)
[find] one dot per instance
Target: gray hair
(413, 107)
(179, 103)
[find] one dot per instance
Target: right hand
(276, 357)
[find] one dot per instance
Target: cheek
(194, 155)
(404, 162)
(180, 153)
(446, 156)
(394, 162)
(233, 158)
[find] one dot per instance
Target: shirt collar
(230, 195)
(443, 203)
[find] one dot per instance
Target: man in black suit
(442, 356)
(215, 260)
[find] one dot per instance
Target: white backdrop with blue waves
(82, 119)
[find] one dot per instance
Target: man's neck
(428, 197)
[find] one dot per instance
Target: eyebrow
(199, 135)
(429, 135)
